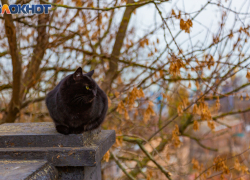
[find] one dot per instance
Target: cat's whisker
(82, 100)
(79, 100)
(76, 97)
(75, 100)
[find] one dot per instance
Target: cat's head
(80, 88)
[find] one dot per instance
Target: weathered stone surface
(93, 173)
(80, 173)
(75, 150)
(70, 172)
(27, 170)
(41, 134)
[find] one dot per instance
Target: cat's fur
(73, 108)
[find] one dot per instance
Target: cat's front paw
(62, 129)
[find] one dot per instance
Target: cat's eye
(87, 87)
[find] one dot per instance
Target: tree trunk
(14, 104)
(113, 62)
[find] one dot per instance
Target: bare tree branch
(129, 4)
(5, 86)
(26, 103)
(121, 166)
(3, 53)
(162, 169)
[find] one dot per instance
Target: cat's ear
(77, 74)
(90, 73)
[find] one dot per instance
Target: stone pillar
(75, 156)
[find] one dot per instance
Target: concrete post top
(44, 134)
(41, 141)
(27, 128)
(45, 128)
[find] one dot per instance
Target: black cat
(77, 103)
